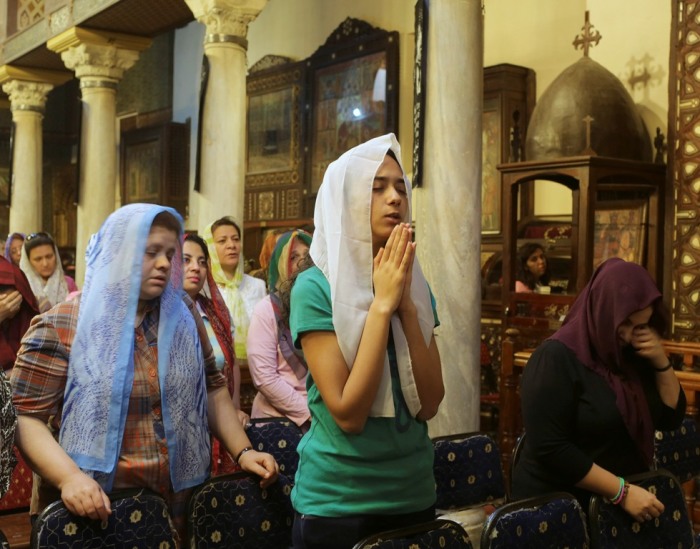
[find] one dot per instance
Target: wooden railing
(513, 361)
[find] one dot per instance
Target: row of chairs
(467, 470)
(233, 511)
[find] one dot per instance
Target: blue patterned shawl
(101, 367)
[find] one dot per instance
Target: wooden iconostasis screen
(682, 258)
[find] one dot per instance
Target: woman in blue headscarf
(125, 378)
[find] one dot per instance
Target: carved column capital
(27, 96)
(226, 20)
(98, 61)
(27, 88)
(98, 56)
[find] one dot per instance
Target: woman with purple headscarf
(593, 394)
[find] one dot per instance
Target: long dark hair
(191, 237)
(523, 274)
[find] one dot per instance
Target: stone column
(448, 220)
(223, 123)
(27, 90)
(99, 60)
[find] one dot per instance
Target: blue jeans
(312, 532)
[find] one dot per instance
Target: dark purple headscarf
(616, 290)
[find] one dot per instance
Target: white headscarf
(342, 249)
(48, 294)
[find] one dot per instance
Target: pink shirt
(521, 287)
(280, 392)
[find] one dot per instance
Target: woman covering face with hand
(593, 394)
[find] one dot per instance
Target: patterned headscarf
(342, 250)
(10, 338)
(101, 367)
(280, 262)
(55, 289)
(218, 315)
(231, 294)
(616, 290)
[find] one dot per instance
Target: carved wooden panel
(684, 130)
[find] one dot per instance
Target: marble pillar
(448, 207)
(99, 60)
(27, 90)
(223, 123)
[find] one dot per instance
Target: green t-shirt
(379, 471)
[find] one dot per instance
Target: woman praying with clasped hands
(364, 317)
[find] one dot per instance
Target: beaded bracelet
(246, 449)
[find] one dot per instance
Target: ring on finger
(648, 516)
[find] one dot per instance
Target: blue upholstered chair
(551, 520)
(444, 534)
(678, 451)
(233, 511)
(139, 519)
(467, 471)
(612, 527)
(277, 436)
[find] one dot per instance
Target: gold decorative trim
(91, 83)
(215, 38)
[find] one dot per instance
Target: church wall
(293, 29)
(297, 29)
(533, 33)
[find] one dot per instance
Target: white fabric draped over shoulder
(342, 249)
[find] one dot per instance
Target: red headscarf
(220, 320)
(13, 329)
(616, 290)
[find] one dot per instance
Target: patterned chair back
(612, 527)
(551, 520)
(277, 436)
(678, 451)
(233, 511)
(139, 519)
(443, 534)
(467, 471)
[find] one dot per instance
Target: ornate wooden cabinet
(155, 165)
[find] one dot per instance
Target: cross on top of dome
(588, 38)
